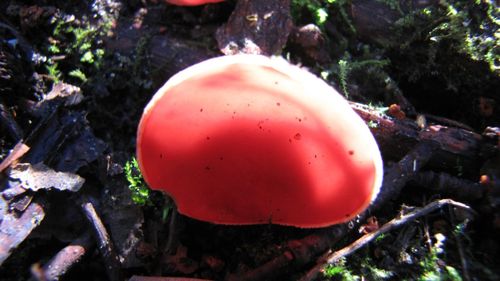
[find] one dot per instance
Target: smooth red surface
(246, 144)
(192, 2)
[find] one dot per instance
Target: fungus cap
(192, 2)
(248, 139)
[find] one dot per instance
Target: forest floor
(74, 79)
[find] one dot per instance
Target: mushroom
(192, 2)
(248, 139)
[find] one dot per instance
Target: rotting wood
(457, 188)
(397, 176)
(457, 148)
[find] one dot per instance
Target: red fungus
(192, 2)
(247, 139)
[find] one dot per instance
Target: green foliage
(382, 236)
(77, 41)
(371, 272)
(372, 124)
(321, 10)
(315, 7)
(53, 71)
(346, 65)
(77, 46)
(136, 184)
(463, 27)
(474, 28)
(77, 73)
(432, 271)
(367, 268)
(339, 270)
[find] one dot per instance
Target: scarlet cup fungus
(192, 2)
(247, 139)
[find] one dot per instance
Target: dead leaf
(39, 176)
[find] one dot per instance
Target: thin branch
(105, 245)
(19, 150)
(461, 251)
(395, 223)
(65, 259)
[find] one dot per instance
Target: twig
(17, 152)
(63, 261)
(461, 252)
(447, 122)
(111, 261)
(69, 256)
(427, 235)
(391, 225)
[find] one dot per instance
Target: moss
(464, 27)
(136, 184)
(322, 11)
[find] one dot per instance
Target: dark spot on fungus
(221, 158)
(297, 136)
(278, 104)
(207, 168)
(201, 109)
(161, 155)
(351, 152)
